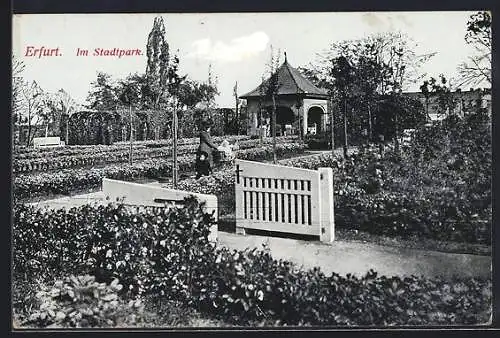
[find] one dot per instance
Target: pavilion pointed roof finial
(285, 57)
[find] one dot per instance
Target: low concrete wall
(143, 195)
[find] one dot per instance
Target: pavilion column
(305, 108)
(255, 121)
(325, 116)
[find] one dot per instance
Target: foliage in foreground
(80, 301)
(166, 253)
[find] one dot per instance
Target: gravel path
(357, 258)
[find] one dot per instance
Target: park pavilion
(301, 106)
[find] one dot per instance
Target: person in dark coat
(204, 155)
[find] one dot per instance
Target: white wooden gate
(284, 199)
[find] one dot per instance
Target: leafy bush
(383, 195)
(82, 302)
(318, 141)
(177, 262)
(105, 241)
(438, 187)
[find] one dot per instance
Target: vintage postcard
(251, 170)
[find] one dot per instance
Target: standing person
(204, 156)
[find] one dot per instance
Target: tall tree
(440, 89)
(34, 100)
(381, 65)
(158, 58)
(394, 52)
(270, 90)
(477, 68)
(17, 84)
(369, 75)
(67, 105)
(129, 94)
(237, 102)
(103, 93)
(343, 74)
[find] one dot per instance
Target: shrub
(105, 241)
(177, 262)
(81, 302)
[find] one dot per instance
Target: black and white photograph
(251, 170)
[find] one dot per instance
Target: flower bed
(167, 254)
(25, 152)
(68, 180)
(70, 158)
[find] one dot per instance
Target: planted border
(167, 254)
(65, 159)
(69, 180)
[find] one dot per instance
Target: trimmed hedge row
(167, 254)
(388, 195)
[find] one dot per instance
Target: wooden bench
(311, 129)
(46, 142)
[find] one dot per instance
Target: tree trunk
(369, 124)
(29, 135)
(274, 130)
(131, 129)
(345, 128)
(174, 169)
(237, 124)
(427, 109)
(104, 129)
(396, 133)
(332, 128)
(299, 124)
(67, 130)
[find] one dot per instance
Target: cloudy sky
(237, 45)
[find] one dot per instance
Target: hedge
(166, 253)
(363, 203)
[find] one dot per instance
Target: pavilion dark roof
(291, 82)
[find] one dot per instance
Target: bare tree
(34, 109)
(68, 106)
(271, 88)
(17, 83)
(477, 68)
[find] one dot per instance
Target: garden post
(326, 204)
(67, 129)
(174, 169)
(274, 130)
(332, 127)
(130, 117)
